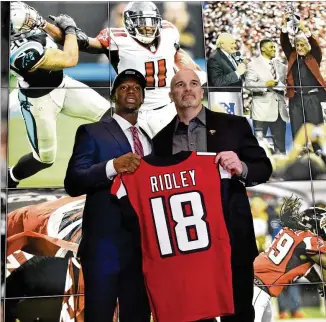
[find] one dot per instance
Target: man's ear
(202, 93)
(171, 97)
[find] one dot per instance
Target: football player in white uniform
(151, 46)
(44, 89)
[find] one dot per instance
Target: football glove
(82, 40)
(66, 23)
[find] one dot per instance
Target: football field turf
(19, 146)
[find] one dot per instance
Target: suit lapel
(168, 138)
(164, 140)
(265, 65)
(226, 59)
(113, 127)
(215, 132)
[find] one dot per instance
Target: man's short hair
(220, 38)
(264, 41)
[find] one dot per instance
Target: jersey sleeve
(24, 58)
(173, 31)
(314, 245)
(105, 38)
(118, 189)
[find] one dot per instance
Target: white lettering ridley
(168, 181)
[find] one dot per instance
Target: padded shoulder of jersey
(171, 30)
(27, 55)
(118, 32)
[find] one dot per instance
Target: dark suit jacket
(312, 60)
(232, 133)
(102, 231)
(221, 73)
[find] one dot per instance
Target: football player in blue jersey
(44, 89)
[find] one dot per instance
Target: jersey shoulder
(109, 37)
(169, 30)
(118, 33)
(25, 53)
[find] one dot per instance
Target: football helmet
(139, 15)
(23, 18)
(314, 219)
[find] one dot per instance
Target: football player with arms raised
(299, 246)
(149, 45)
(44, 89)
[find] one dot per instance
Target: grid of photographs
(265, 61)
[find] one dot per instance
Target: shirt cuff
(244, 171)
(110, 171)
(307, 34)
(284, 30)
(238, 75)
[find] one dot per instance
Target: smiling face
(268, 50)
(186, 91)
(302, 46)
(147, 31)
(128, 96)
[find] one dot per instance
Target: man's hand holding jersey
(230, 162)
(127, 163)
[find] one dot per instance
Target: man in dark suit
(110, 255)
(196, 128)
(225, 75)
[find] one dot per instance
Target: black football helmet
(314, 219)
(142, 14)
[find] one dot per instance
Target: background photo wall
(41, 225)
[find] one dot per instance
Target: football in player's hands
(183, 61)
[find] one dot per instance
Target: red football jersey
(286, 260)
(185, 243)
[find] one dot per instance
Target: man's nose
(187, 87)
(131, 89)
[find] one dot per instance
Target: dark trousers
(308, 109)
(277, 129)
(243, 291)
(105, 282)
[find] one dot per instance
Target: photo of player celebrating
(265, 34)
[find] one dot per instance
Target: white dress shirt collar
(123, 123)
(268, 61)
